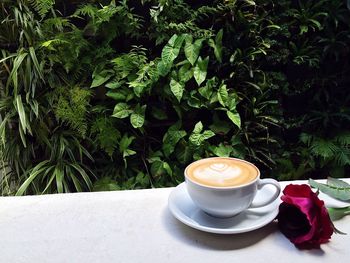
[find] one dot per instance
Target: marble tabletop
(137, 226)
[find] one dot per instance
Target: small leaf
(198, 127)
(338, 213)
(217, 45)
(116, 95)
(222, 150)
(235, 118)
(121, 110)
(137, 118)
(177, 89)
(21, 113)
(200, 70)
(335, 192)
(223, 95)
(125, 142)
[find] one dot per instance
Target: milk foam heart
(222, 172)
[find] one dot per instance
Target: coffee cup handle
(261, 184)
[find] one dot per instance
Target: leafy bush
(106, 95)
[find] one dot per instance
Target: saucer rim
(178, 214)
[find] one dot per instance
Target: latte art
(222, 172)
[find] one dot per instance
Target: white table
(136, 226)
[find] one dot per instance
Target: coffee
(222, 172)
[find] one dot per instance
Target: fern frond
(72, 107)
(42, 6)
(343, 156)
(343, 139)
(323, 148)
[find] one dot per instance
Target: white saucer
(183, 208)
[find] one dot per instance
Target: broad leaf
(337, 183)
(163, 68)
(137, 118)
(341, 193)
(222, 150)
(121, 110)
(171, 51)
(99, 79)
(177, 89)
(185, 73)
(235, 118)
(200, 70)
(192, 49)
(116, 95)
(170, 139)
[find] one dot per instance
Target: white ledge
(136, 226)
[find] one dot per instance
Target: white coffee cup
(224, 187)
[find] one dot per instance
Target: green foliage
(107, 95)
(72, 108)
(42, 6)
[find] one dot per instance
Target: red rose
(303, 217)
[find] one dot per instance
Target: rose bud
(303, 217)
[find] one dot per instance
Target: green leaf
(192, 50)
(197, 138)
(171, 51)
(116, 95)
(121, 110)
(177, 89)
(235, 118)
(37, 170)
(99, 79)
(337, 183)
(157, 169)
(35, 61)
(341, 193)
(13, 75)
(137, 118)
(200, 70)
(170, 139)
(21, 113)
(338, 213)
(198, 127)
(159, 114)
(163, 68)
(105, 184)
(125, 142)
(223, 95)
(217, 45)
(185, 73)
(222, 150)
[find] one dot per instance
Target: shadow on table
(206, 240)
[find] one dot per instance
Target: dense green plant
(106, 95)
